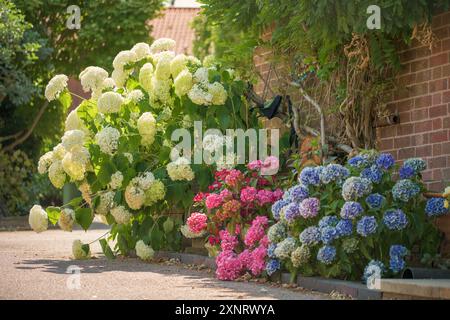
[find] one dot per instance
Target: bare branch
(30, 130)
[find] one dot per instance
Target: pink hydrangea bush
(237, 208)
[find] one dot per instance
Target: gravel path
(34, 266)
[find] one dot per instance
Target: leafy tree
(35, 43)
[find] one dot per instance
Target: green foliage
(106, 28)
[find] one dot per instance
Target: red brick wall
(423, 103)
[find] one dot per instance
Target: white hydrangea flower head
(194, 61)
(200, 96)
(121, 215)
(108, 83)
(144, 180)
(134, 196)
(116, 180)
(123, 58)
(180, 169)
(106, 203)
(162, 71)
(108, 140)
(141, 50)
(55, 86)
(218, 92)
(73, 138)
(92, 78)
(135, 95)
(145, 76)
(56, 174)
(38, 219)
(201, 75)
(178, 64)
(86, 192)
(119, 77)
(45, 162)
(73, 122)
(110, 102)
(75, 163)
(183, 83)
(162, 44)
(66, 219)
(144, 251)
(78, 252)
(59, 152)
(146, 125)
(156, 192)
(160, 91)
(209, 61)
(163, 55)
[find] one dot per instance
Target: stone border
(353, 289)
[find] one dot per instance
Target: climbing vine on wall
(327, 49)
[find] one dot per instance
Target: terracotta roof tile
(175, 23)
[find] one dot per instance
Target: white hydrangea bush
(117, 144)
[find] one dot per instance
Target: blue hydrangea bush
(354, 221)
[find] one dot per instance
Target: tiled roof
(175, 23)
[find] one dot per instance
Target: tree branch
(30, 130)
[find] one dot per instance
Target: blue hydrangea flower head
(397, 250)
(310, 236)
(406, 172)
(351, 210)
(373, 173)
(344, 227)
(359, 162)
(298, 193)
(375, 200)
(404, 190)
(328, 234)
(385, 161)
(396, 264)
(435, 207)
(355, 187)
(292, 211)
(310, 176)
(272, 266)
(328, 221)
(367, 226)
(395, 219)
(326, 254)
(271, 250)
(417, 164)
(333, 173)
(277, 206)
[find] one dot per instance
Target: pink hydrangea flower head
(248, 194)
(227, 241)
(246, 258)
(277, 195)
(226, 194)
(234, 177)
(256, 231)
(197, 222)
(254, 165)
(264, 197)
(213, 200)
(258, 260)
(229, 266)
(231, 207)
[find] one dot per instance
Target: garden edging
(350, 288)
